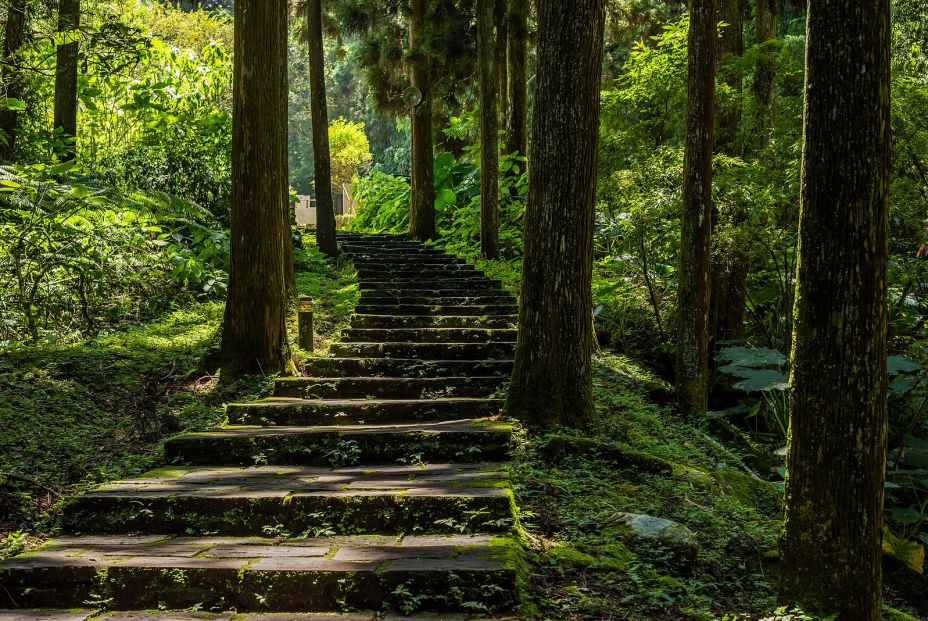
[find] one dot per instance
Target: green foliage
(75, 257)
(350, 151)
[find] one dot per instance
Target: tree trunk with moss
(517, 30)
(65, 109)
(765, 27)
(422, 203)
(325, 210)
(730, 44)
(831, 547)
(489, 131)
(696, 224)
(12, 42)
(501, 21)
(552, 378)
(254, 337)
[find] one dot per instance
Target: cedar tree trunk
(730, 43)
(517, 130)
(552, 378)
(325, 211)
(765, 26)
(422, 203)
(696, 225)
(69, 15)
(489, 133)
(837, 447)
(501, 20)
(12, 42)
(254, 337)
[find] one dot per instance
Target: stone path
(374, 485)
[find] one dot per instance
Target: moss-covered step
(470, 285)
(431, 291)
(47, 614)
(457, 574)
(480, 310)
(426, 351)
(428, 335)
(373, 251)
(433, 498)
(281, 411)
(375, 298)
(387, 387)
(398, 367)
(464, 441)
(428, 263)
(434, 321)
(416, 272)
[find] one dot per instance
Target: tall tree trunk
(517, 130)
(837, 449)
(729, 261)
(730, 43)
(325, 211)
(765, 27)
(422, 203)
(69, 15)
(552, 378)
(284, 154)
(254, 337)
(501, 20)
(12, 42)
(696, 225)
(489, 133)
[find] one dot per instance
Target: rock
(650, 529)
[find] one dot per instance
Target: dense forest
(675, 254)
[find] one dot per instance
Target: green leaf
(751, 357)
(449, 197)
(11, 103)
(896, 365)
(10, 183)
(758, 380)
(912, 554)
(63, 167)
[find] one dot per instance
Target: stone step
(450, 573)
(396, 367)
(431, 321)
(376, 298)
(386, 387)
(426, 351)
(298, 499)
(277, 411)
(469, 286)
(439, 310)
(431, 262)
(428, 335)
(50, 614)
(398, 251)
(433, 292)
(379, 272)
(462, 441)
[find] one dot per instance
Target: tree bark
(325, 211)
(765, 27)
(12, 42)
(501, 20)
(489, 132)
(284, 154)
(65, 116)
(254, 337)
(552, 378)
(730, 43)
(696, 225)
(422, 203)
(729, 261)
(517, 129)
(837, 449)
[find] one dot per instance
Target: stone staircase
(374, 484)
